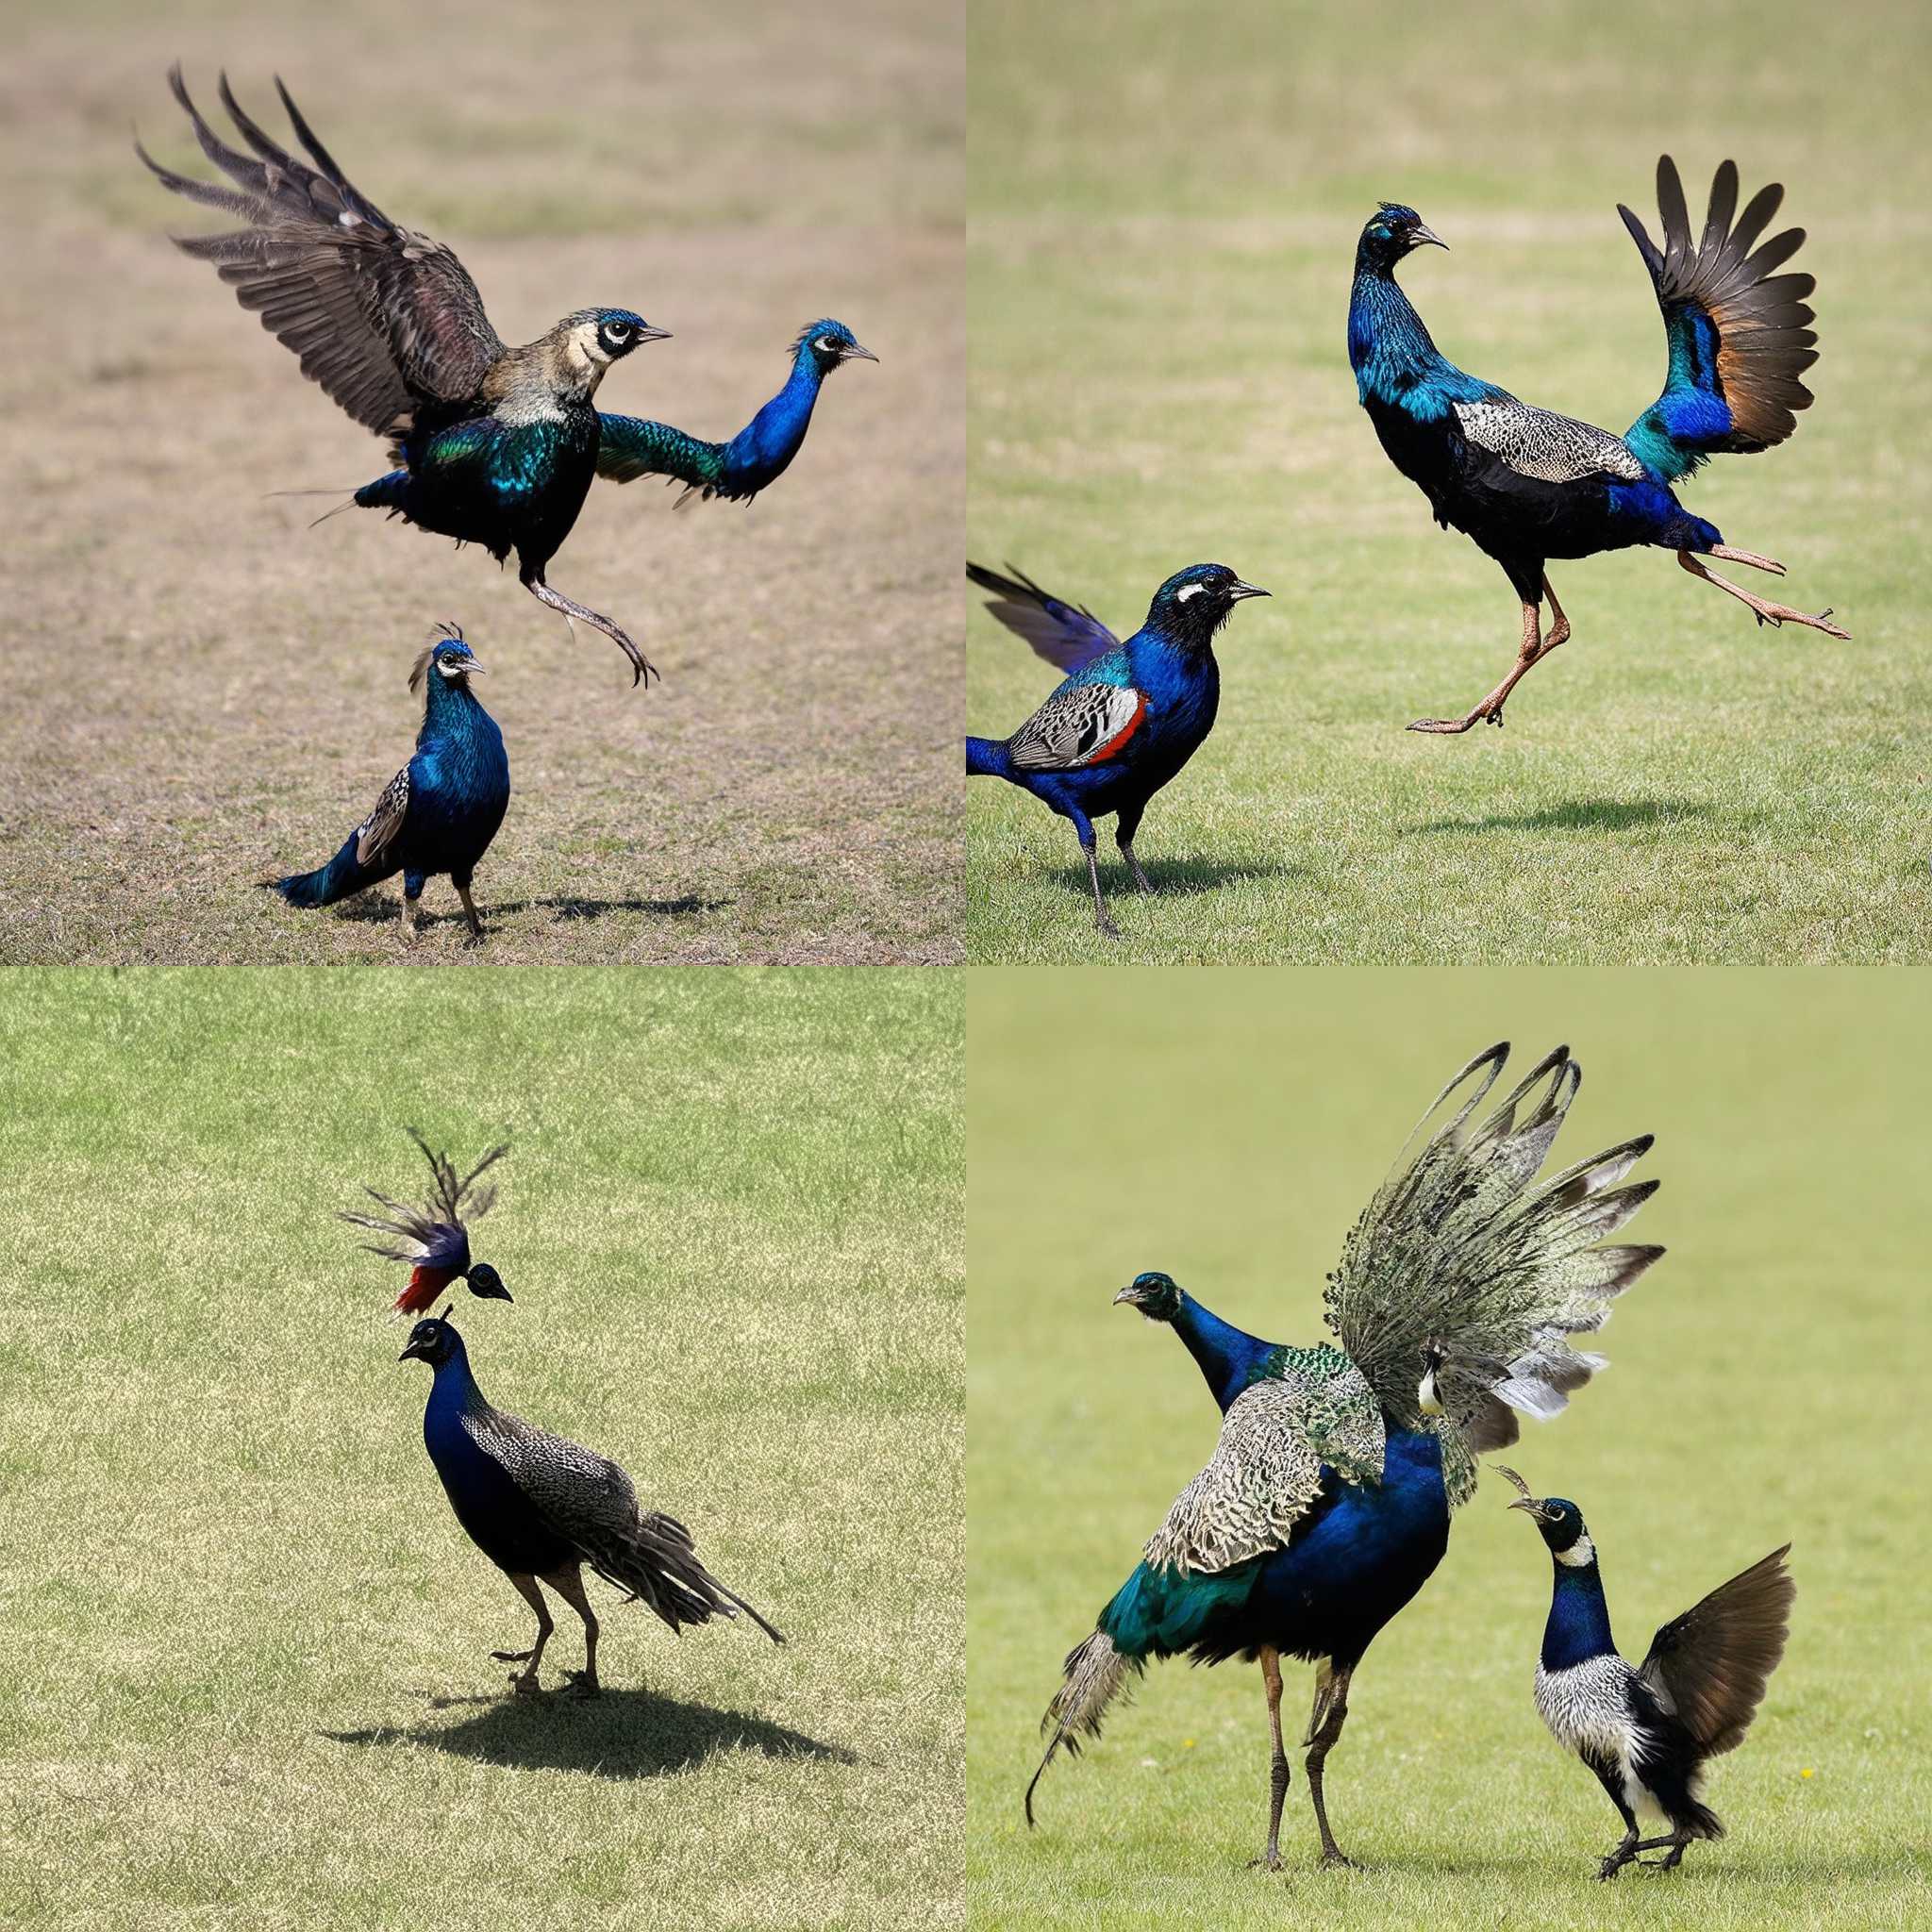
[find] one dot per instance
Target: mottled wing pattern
(385, 821)
(1068, 636)
(1266, 1469)
(383, 319)
(1540, 443)
(1738, 334)
(629, 447)
(1083, 722)
(1462, 1247)
(1710, 1666)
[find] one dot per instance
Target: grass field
(249, 1679)
(1763, 1387)
(198, 689)
(1162, 224)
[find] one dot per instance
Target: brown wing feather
(382, 825)
(383, 319)
(1711, 1664)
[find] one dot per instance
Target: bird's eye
(826, 345)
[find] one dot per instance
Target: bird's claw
(1334, 1858)
(1267, 1862)
(582, 1685)
(525, 1685)
(509, 1656)
(1442, 727)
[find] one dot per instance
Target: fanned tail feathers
(658, 1565)
(1095, 1674)
(1459, 1249)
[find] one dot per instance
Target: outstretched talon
(1445, 727)
(1776, 615)
(641, 666)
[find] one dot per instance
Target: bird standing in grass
(440, 812)
(541, 1508)
(492, 446)
(1326, 1505)
(433, 1240)
(1528, 485)
(1127, 717)
(1647, 1733)
(758, 455)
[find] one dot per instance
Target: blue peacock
(440, 812)
(1326, 1504)
(1527, 484)
(1125, 718)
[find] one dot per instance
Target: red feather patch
(425, 1285)
(1125, 732)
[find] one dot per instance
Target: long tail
(988, 757)
(658, 1565)
(1096, 1673)
(338, 879)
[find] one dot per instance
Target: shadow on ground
(1577, 815)
(621, 1734)
(368, 910)
(1172, 878)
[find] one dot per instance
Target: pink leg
(1534, 649)
(1772, 614)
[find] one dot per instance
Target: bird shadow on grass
(1172, 878)
(368, 909)
(1574, 815)
(621, 1734)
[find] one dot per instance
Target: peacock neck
(450, 708)
(759, 453)
(453, 1392)
(1226, 1355)
(1579, 1621)
(1388, 347)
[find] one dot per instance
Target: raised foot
(1447, 727)
(512, 1656)
(1779, 615)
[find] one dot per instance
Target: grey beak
(853, 352)
(1529, 1503)
(1126, 1294)
(473, 668)
(1238, 589)
(648, 334)
(1420, 237)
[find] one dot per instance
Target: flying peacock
(1527, 484)
(1326, 1504)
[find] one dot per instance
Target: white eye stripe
(1187, 590)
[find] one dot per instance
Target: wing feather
(1711, 1665)
(1068, 636)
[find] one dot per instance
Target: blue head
(1194, 603)
(1559, 1521)
(434, 1340)
(1157, 1295)
(449, 659)
(826, 344)
(1391, 232)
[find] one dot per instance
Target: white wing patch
(1540, 443)
(1074, 725)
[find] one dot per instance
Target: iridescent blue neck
(448, 704)
(1579, 1623)
(1388, 348)
(759, 453)
(1227, 1356)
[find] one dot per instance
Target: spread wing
(1710, 1665)
(1266, 1469)
(385, 821)
(629, 447)
(1739, 336)
(1541, 444)
(1068, 636)
(383, 319)
(1081, 723)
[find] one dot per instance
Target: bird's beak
(1126, 1294)
(853, 352)
(1420, 237)
(648, 334)
(413, 1353)
(474, 668)
(1533, 1504)
(1238, 589)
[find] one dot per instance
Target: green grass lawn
(1163, 226)
(1763, 1387)
(249, 1681)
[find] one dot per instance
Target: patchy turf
(250, 1682)
(1763, 1387)
(198, 689)
(1162, 228)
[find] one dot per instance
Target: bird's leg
(1325, 1726)
(1559, 625)
(1675, 1842)
(469, 912)
(527, 1683)
(1102, 917)
(568, 1582)
(1277, 1765)
(410, 905)
(1775, 615)
(1532, 651)
(1750, 556)
(1124, 827)
(641, 666)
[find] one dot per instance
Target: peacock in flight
(1326, 1504)
(491, 444)
(1527, 484)
(432, 1241)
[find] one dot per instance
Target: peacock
(758, 455)
(1527, 484)
(433, 1242)
(491, 444)
(1326, 1505)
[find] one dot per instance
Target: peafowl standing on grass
(758, 455)
(492, 446)
(541, 1508)
(1647, 1733)
(1128, 716)
(1528, 485)
(433, 1240)
(440, 812)
(1326, 1505)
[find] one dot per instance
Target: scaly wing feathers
(1068, 636)
(629, 447)
(385, 821)
(1739, 334)
(385, 320)
(1457, 1248)
(1710, 1666)
(1083, 722)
